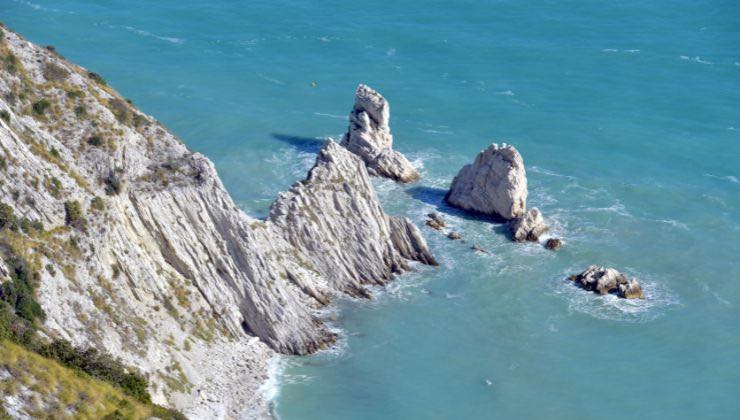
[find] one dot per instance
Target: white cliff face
(494, 184)
(168, 274)
(334, 217)
(369, 136)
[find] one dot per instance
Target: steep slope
(34, 387)
(145, 254)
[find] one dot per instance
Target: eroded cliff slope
(144, 254)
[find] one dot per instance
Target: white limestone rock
(608, 280)
(528, 228)
(369, 136)
(169, 271)
(335, 218)
(494, 184)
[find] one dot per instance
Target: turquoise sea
(627, 114)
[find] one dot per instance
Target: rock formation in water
(553, 244)
(608, 280)
(369, 137)
(435, 221)
(142, 252)
(528, 228)
(335, 219)
(494, 184)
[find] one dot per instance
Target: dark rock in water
(476, 248)
(608, 280)
(528, 228)
(435, 221)
(553, 244)
(454, 236)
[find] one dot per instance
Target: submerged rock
(435, 221)
(494, 184)
(528, 228)
(553, 244)
(608, 280)
(455, 236)
(369, 136)
(476, 248)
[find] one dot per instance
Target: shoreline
(238, 375)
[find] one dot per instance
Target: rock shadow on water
(436, 197)
(302, 143)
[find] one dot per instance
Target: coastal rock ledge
(369, 137)
(494, 184)
(608, 280)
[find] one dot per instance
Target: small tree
(7, 216)
(40, 107)
(113, 184)
(74, 216)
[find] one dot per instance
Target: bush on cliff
(73, 215)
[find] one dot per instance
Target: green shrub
(40, 107)
(19, 292)
(54, 72)
(37, 225)
(74, 216)
(11, 63)
(97, 203)
(116, 270)
(97, 78)
(95, 140)
(7, 216)
(5, 115)
(80, 111)
(54, 186)
(18, 314)
(167, 413)
(3, 162)
(113, 184)
(100, 365)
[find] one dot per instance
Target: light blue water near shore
(628, 118)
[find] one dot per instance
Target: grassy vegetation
(20, 314)
(97, 78)
(63, 388)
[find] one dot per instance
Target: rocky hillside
(141, 252)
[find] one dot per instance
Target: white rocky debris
(494, 184)
(168, 269)
(528, 228)
(608, 280)
(369, 136)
